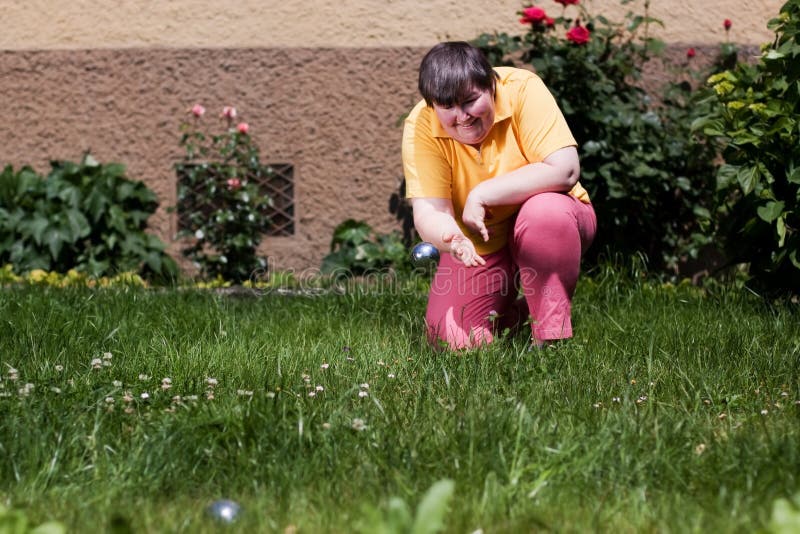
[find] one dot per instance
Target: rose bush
(639, 160)
(222, 210)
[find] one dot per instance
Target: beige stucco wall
(56, 24)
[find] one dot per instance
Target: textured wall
(321, 86)
(330, 112)
(37, 24)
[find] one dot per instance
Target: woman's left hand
(475, 215)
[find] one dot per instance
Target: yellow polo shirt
(528, 127)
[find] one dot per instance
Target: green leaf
(55, 238)
(781, 229)
(771, 211)
(433, 507)
(785, 517)
(78, 224)
(51, 527)
(747, 177)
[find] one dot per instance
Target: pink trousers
(467, 305)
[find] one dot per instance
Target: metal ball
(424, 255)
(224, 510)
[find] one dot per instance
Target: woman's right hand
(462, 249)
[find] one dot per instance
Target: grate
(277, 181)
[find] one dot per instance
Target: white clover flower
(209, 395)
(358, 424)
(362, 394)
(616, 399)
(326, 426)
(244, 392)
(117, 383)
(55, 390)
(107, 355)
(199, 234)
(764, 412)
(59, 368)
(129, 410)
(192, 398)
(143, 377)
(364, 386)
(324, 366)
(166, 383)
(145, 395)
(312, 394)
(270, 394)
(109, 400)
(211, 382)
(97, 363)
(391, 375)
(127, 396)
(320, 388)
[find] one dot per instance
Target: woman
(492, 171)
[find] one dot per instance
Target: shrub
(86, 216)
(356, 249)
(647, 178)
(754, 121)
(222, 211)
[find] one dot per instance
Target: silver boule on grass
(224, 510)
(425, 255)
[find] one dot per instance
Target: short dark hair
(450, 70)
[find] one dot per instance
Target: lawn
(672, 410)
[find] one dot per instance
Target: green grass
(671, 411)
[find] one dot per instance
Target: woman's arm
(435, 222)
(557, 172)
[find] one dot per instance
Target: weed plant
(673, 409)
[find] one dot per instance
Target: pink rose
(691, 53)
(243, 128)
(198, 110)
(727, 24)
(531, 15)
(567, 2)
(234, 184)
(229, 112)
(578, 35)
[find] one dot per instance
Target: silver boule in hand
(425, 255)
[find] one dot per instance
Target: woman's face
(469, 121)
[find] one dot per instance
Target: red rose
(243, 128)
(532, 14)
(567, 2)
(691, 53)
(234, 184)
(578, 35)
(550, 21)
(727, 23)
